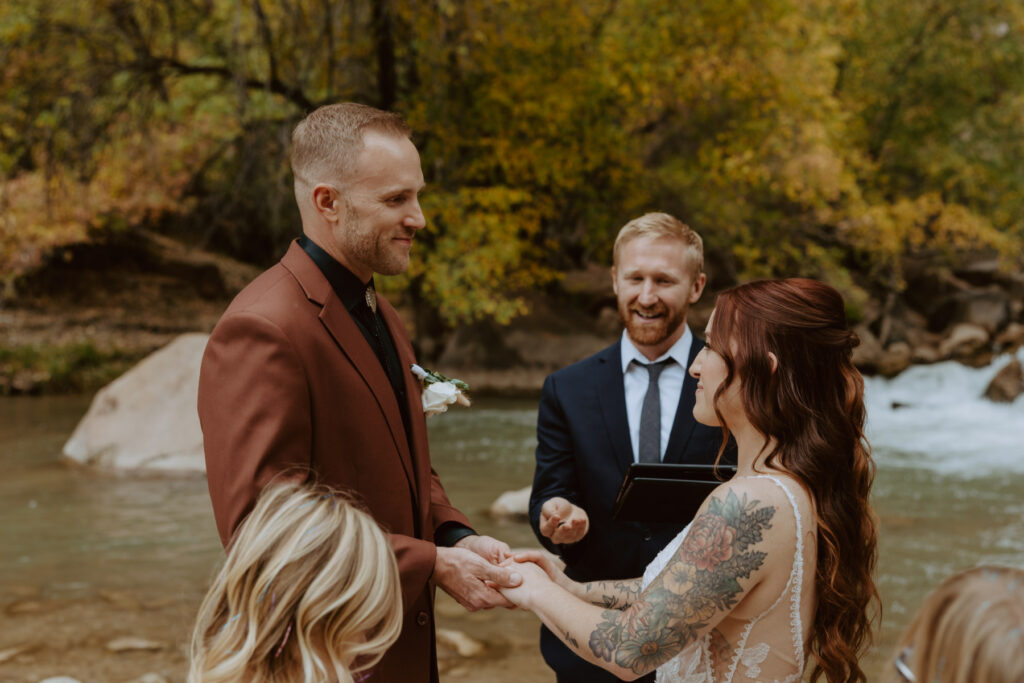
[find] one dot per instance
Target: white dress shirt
(670, 386)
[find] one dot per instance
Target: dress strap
(796, 576)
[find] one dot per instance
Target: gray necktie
(650, 414)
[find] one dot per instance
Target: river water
(949, 492)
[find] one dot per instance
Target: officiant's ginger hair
(658, 224)
(810, 401)
(309, 592)
(326, 143)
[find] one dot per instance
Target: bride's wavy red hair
(812, 404)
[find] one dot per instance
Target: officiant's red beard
(649, 326)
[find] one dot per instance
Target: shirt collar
(349, 288)
(679, 352)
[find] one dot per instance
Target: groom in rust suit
(307, 374)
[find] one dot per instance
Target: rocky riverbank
(124, 636)
(94, 310)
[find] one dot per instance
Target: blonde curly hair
(309, 592)
(968, 630)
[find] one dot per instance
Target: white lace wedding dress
(766, 649)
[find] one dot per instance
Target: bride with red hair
(775, 571)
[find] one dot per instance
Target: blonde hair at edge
(309, 592)
(969, 630)
(662, 225)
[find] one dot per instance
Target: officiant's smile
(655, 282)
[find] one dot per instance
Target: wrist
(574, 588)
(543, 595)
(450, 533)
(442, 564)
(465, 542)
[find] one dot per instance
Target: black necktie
(387, 357)
(650, 414)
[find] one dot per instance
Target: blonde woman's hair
(663, 225)
(309, 592)
(969, 630)
(326, 143)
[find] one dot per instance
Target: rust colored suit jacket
(289, 381)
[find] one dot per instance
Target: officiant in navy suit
(631, 402)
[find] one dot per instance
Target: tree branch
(274, 84)
(268, 39)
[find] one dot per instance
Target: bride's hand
(535, 581)
(550, 566)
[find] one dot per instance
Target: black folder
(667, 492)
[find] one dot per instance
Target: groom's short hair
(326, 143)
(658, 224)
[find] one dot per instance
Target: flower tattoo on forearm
(702, 579)
(612, 594)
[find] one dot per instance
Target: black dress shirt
(352, 293)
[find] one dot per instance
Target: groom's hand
(563, 522)
(465, 576)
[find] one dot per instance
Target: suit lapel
(419, 458)
(684, 423)
(611, 394)
(350, 340)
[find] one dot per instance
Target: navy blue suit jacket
(583, 453)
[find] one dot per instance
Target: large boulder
(925, 353)
(988, 309)
(905, 325)
(146, 420)
(512, 504)
(896, 358)
(935, 293)
(964, 340)
(1011, 338)
(1008, 383)
(869, 353)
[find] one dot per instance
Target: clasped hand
(474, 569)
(538, 571)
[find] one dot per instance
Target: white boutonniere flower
(440, 391)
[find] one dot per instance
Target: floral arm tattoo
(700, 581)
(612, 594)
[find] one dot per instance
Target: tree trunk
(383, 30)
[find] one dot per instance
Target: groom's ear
(327, 202)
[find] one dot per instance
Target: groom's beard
(651, 332)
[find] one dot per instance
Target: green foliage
(482, 254)
(61, 368)
(813, 137)
(936, 94)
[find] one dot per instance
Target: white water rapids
(934, 417)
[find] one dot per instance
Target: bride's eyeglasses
(902, 668)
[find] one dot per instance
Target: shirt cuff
(450, 533)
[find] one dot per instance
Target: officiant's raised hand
(563, 522)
